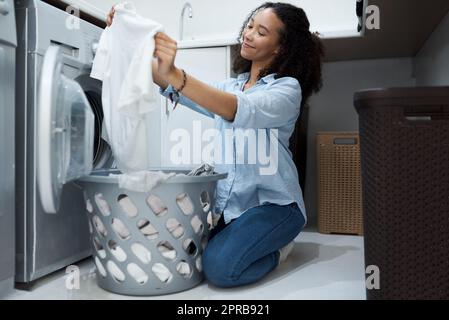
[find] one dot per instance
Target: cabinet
(182, 129)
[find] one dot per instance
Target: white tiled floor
(319, 267)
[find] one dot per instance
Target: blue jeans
(246, 249)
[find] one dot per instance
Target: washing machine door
(65, 130)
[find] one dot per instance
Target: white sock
(285, 251)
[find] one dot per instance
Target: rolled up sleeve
(189, 103)
(270, 108)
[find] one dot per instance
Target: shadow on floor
(303, 254)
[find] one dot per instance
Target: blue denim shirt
(269, 109)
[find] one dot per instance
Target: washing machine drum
(102, 152)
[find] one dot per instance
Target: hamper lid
(401, 96)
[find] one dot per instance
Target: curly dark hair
(301, 52)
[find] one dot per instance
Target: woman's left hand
(165, 52)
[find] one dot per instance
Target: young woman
(279, 67)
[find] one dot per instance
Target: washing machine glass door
(65, 130)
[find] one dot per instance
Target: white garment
(102, 204)
(162, 272)
(157, 205)
(121, 229)
(175, 228)
(147, 229)
(118, 252)
(115, 271)
(142, 181)
(184, 203)
(100, 226)
(141, 252)
(123, 62)
(137, 273)
(128, 206)
(196, 224)
(183, 268)
(167, 251)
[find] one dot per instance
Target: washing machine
(8, 44)
(58, 137)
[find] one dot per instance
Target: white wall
(432, 62)
(332, 109)
(223, 19)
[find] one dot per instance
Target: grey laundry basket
(149, 243)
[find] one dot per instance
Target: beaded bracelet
(184, 80)
(174, 97)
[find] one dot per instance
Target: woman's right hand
(110, 16)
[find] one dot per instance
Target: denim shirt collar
(267, 79)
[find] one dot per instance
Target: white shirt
(123, 63)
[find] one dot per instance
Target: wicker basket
(404, 136)
(339, 183)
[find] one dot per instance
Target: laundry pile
(203, 170)
(144, 181)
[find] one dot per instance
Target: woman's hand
(110, 16)
(165, 52)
